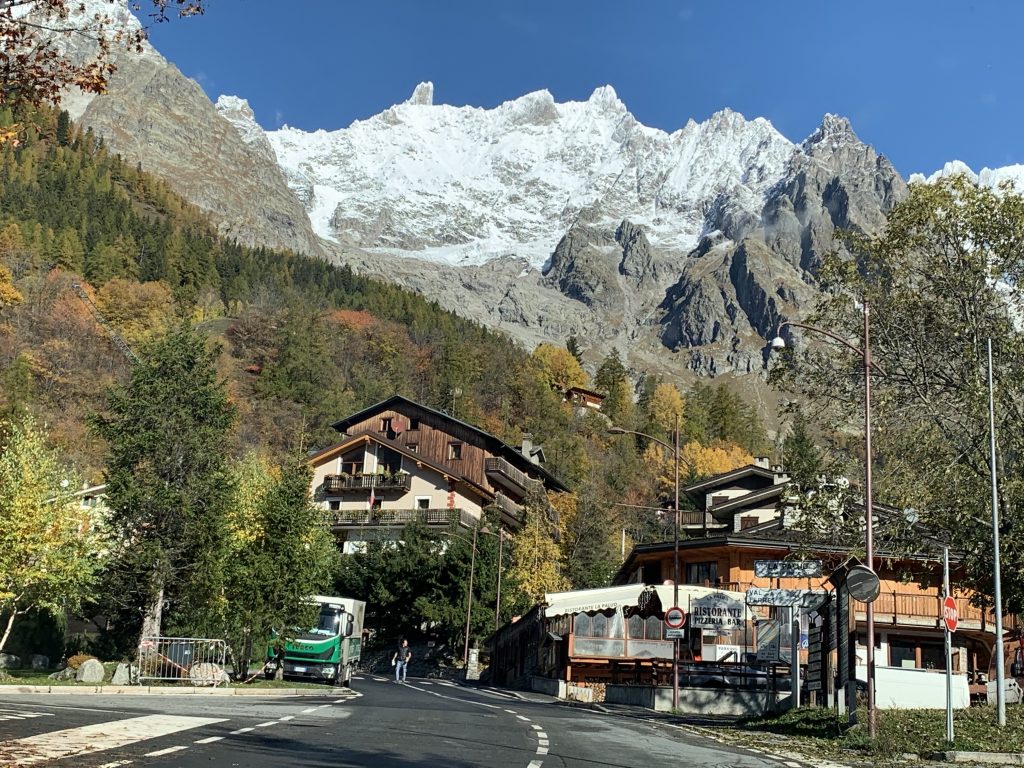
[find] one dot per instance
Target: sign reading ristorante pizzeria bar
(717, 611)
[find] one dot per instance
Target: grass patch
(42, 677)
(900, 731)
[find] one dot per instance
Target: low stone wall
(548, 686)
(697, 701)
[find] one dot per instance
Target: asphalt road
(417, 725)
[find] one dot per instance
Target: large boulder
(40, 662)
(9, 661)
(91, 671)
(122, 675)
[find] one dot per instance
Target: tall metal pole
(469, 603)
(949, 651)
(675, 571)
(869, 514)
(497, 602)
(997, 586)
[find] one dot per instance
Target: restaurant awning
(581, 600)
(627, 596)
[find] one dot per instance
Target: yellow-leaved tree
(139, 311)
(49, 545)
(667, 406)
(536, 558)
(559, 369)
(714, 459)
(9, 295)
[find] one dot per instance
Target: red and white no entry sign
(950, 617)
(675, 618)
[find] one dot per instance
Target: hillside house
(399, 461)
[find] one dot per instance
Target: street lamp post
(869, 546)
(997, 586)
(469, 591)
(675, 542)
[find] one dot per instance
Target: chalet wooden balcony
(689, 519)
(511, 512)
(926, 610)
(338, 484)
(399, 518)
(504, 474)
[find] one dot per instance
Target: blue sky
(923, 81)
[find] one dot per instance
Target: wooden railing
(396, 518)
(509, 507)
(501, 467)
(341, 483)
(897, 606)
(696, 519)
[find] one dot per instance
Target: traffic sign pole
(950, 622)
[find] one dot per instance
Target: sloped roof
(493, 444)
(370, 437)
(728, 477)
(738, 502)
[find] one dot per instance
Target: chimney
(761, 461)
(527, 444)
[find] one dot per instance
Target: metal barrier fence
(190, 660)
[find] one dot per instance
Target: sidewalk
(170, 690)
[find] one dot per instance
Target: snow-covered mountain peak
(237, 111)
(834, 129)
(988, 177)
(423, 96)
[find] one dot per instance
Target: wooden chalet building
(399, 461)
(741, 523)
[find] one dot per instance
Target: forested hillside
(302, 342)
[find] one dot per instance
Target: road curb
(991, 758)
(159, 690)
(587, 705)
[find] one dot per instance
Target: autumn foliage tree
(35, 65)
(48, 545)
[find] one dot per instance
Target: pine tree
(800, 456)
(169, 434)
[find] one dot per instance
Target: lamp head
(778, 343)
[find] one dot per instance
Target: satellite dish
(863, 584)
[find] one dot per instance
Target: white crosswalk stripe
(20, 714)
(97, 737)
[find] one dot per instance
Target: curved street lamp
(675, 536)
(864, 353)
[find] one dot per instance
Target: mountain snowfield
(462, 185)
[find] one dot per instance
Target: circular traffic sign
(675, 618)
(950, 616)
(863, 584)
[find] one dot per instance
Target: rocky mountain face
(681, 250)
(155, 116)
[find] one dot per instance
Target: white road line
(545, 743)
(266, 724)
(511, 711)
(241, 730)
(358, 678)
(23, 713)
(523, 718)
(116, 764)
(286, 718)
(308, 710)
(542, 750)
(209, 740)
(161, 752)
(97, 737)
(537, 727)
(323, 706)
(535, 764)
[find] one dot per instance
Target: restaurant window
(702, 573)
(599, 626)
(581, 626)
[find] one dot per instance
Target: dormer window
(454, 451)
(385, 425)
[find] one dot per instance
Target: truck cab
(327, 652)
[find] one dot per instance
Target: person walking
(400, 661)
